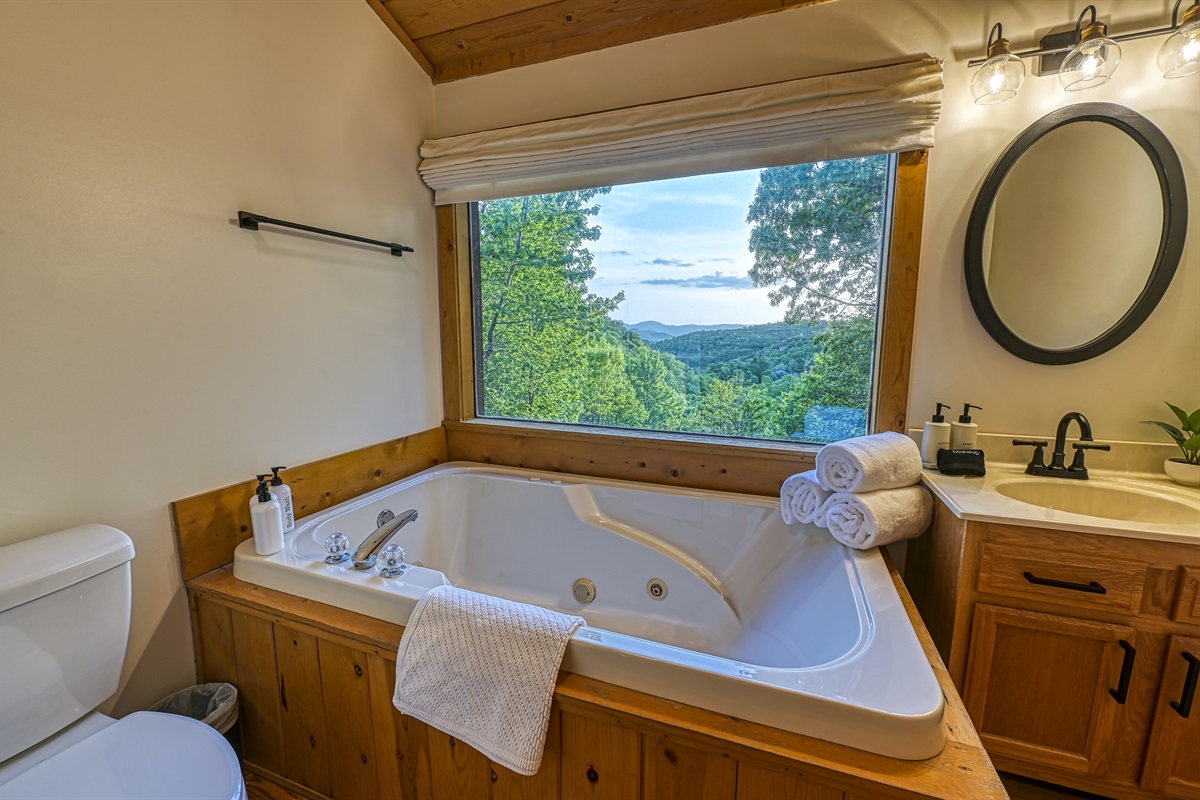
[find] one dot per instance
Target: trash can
(214, 704)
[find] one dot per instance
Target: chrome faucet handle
(1038, 462)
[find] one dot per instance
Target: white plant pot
(1181, 472)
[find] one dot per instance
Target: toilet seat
(145, 756)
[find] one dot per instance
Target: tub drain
(656, 588)
(584, 590)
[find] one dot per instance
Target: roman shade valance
(867, 112)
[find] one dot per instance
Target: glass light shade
(997, 79)
(1090, 64)
(1180, 54)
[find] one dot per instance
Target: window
(741, 304)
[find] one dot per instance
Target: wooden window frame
(689, 460)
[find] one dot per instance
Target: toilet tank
(64, 625)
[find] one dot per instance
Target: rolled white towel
(869, 463)
(801, 497)
(863, 521)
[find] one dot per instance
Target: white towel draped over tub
(869, 463)
(863, 521)
(801, 497)
(483, 669)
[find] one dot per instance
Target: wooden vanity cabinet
(1069, 650)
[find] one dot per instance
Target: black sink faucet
(1058, 467)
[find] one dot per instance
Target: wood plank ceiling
(454, 39)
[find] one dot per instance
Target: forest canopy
(549, 349)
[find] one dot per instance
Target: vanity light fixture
(1094, 60)
(1084, 57)
(1180, 54)
(1001, 75)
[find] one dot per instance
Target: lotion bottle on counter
(266, 518)
(283, 493)
(936, 437)
(964, 432)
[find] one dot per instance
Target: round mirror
(1076, 233)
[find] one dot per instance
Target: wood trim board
(209, 526)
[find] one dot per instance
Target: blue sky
(677, 248)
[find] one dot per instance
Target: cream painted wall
(151, 350)
(954, 359)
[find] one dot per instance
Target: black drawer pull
(1122, 691)
(1184, 706)
(1093, 587)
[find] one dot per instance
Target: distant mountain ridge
(652, 331)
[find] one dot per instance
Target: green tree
(656, 388)
(609, 397)
(536, 314)
(816, 233)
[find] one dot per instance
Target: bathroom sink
(1108, 500)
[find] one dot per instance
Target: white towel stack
(866, 490)
(482, 669)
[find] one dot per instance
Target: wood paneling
(1002, 570)
(302, 709)
(600, 761)
(454, 291)
(453, 39)
(458, 770)
(213, 630)
(258, 691)
(626, 455)
(346, 690)
(210, 526)
(900, 292)
(674, 770)
(961, 770)
(756, 783)
(1187, 600)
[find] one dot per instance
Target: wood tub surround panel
(603, 741)
(1070, 649)
(209, 526)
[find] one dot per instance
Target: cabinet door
(1046, 689)
(1172, 763)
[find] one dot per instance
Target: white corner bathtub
(763, 621)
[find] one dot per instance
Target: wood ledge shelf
(961, 770)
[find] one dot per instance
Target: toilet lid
(145, 756)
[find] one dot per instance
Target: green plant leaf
(1193, 423)
(1179, 412)
(1192, 444)
(1171, 430)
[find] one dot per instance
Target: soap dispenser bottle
(964, 432)
(266, 518)
(283, 493)
(936, 437)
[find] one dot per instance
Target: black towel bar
(248, 221)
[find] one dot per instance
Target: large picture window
(741, 304)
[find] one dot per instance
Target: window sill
(692, 461)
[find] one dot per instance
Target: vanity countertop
(1136, 501)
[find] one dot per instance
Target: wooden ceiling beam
(454, 39)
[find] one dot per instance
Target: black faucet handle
(1080, 446)
(1038, 462)
(1077, 468)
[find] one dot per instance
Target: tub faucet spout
(364, 556)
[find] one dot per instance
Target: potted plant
(1184, 470)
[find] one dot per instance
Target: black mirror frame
(1170, 249)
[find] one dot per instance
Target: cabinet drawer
(1187, 600)
(1074, 582)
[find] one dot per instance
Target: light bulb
(998, 79)
(1090, 64)
(1180, 54)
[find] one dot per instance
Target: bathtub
(704, 598)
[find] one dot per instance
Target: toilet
(64, 625)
